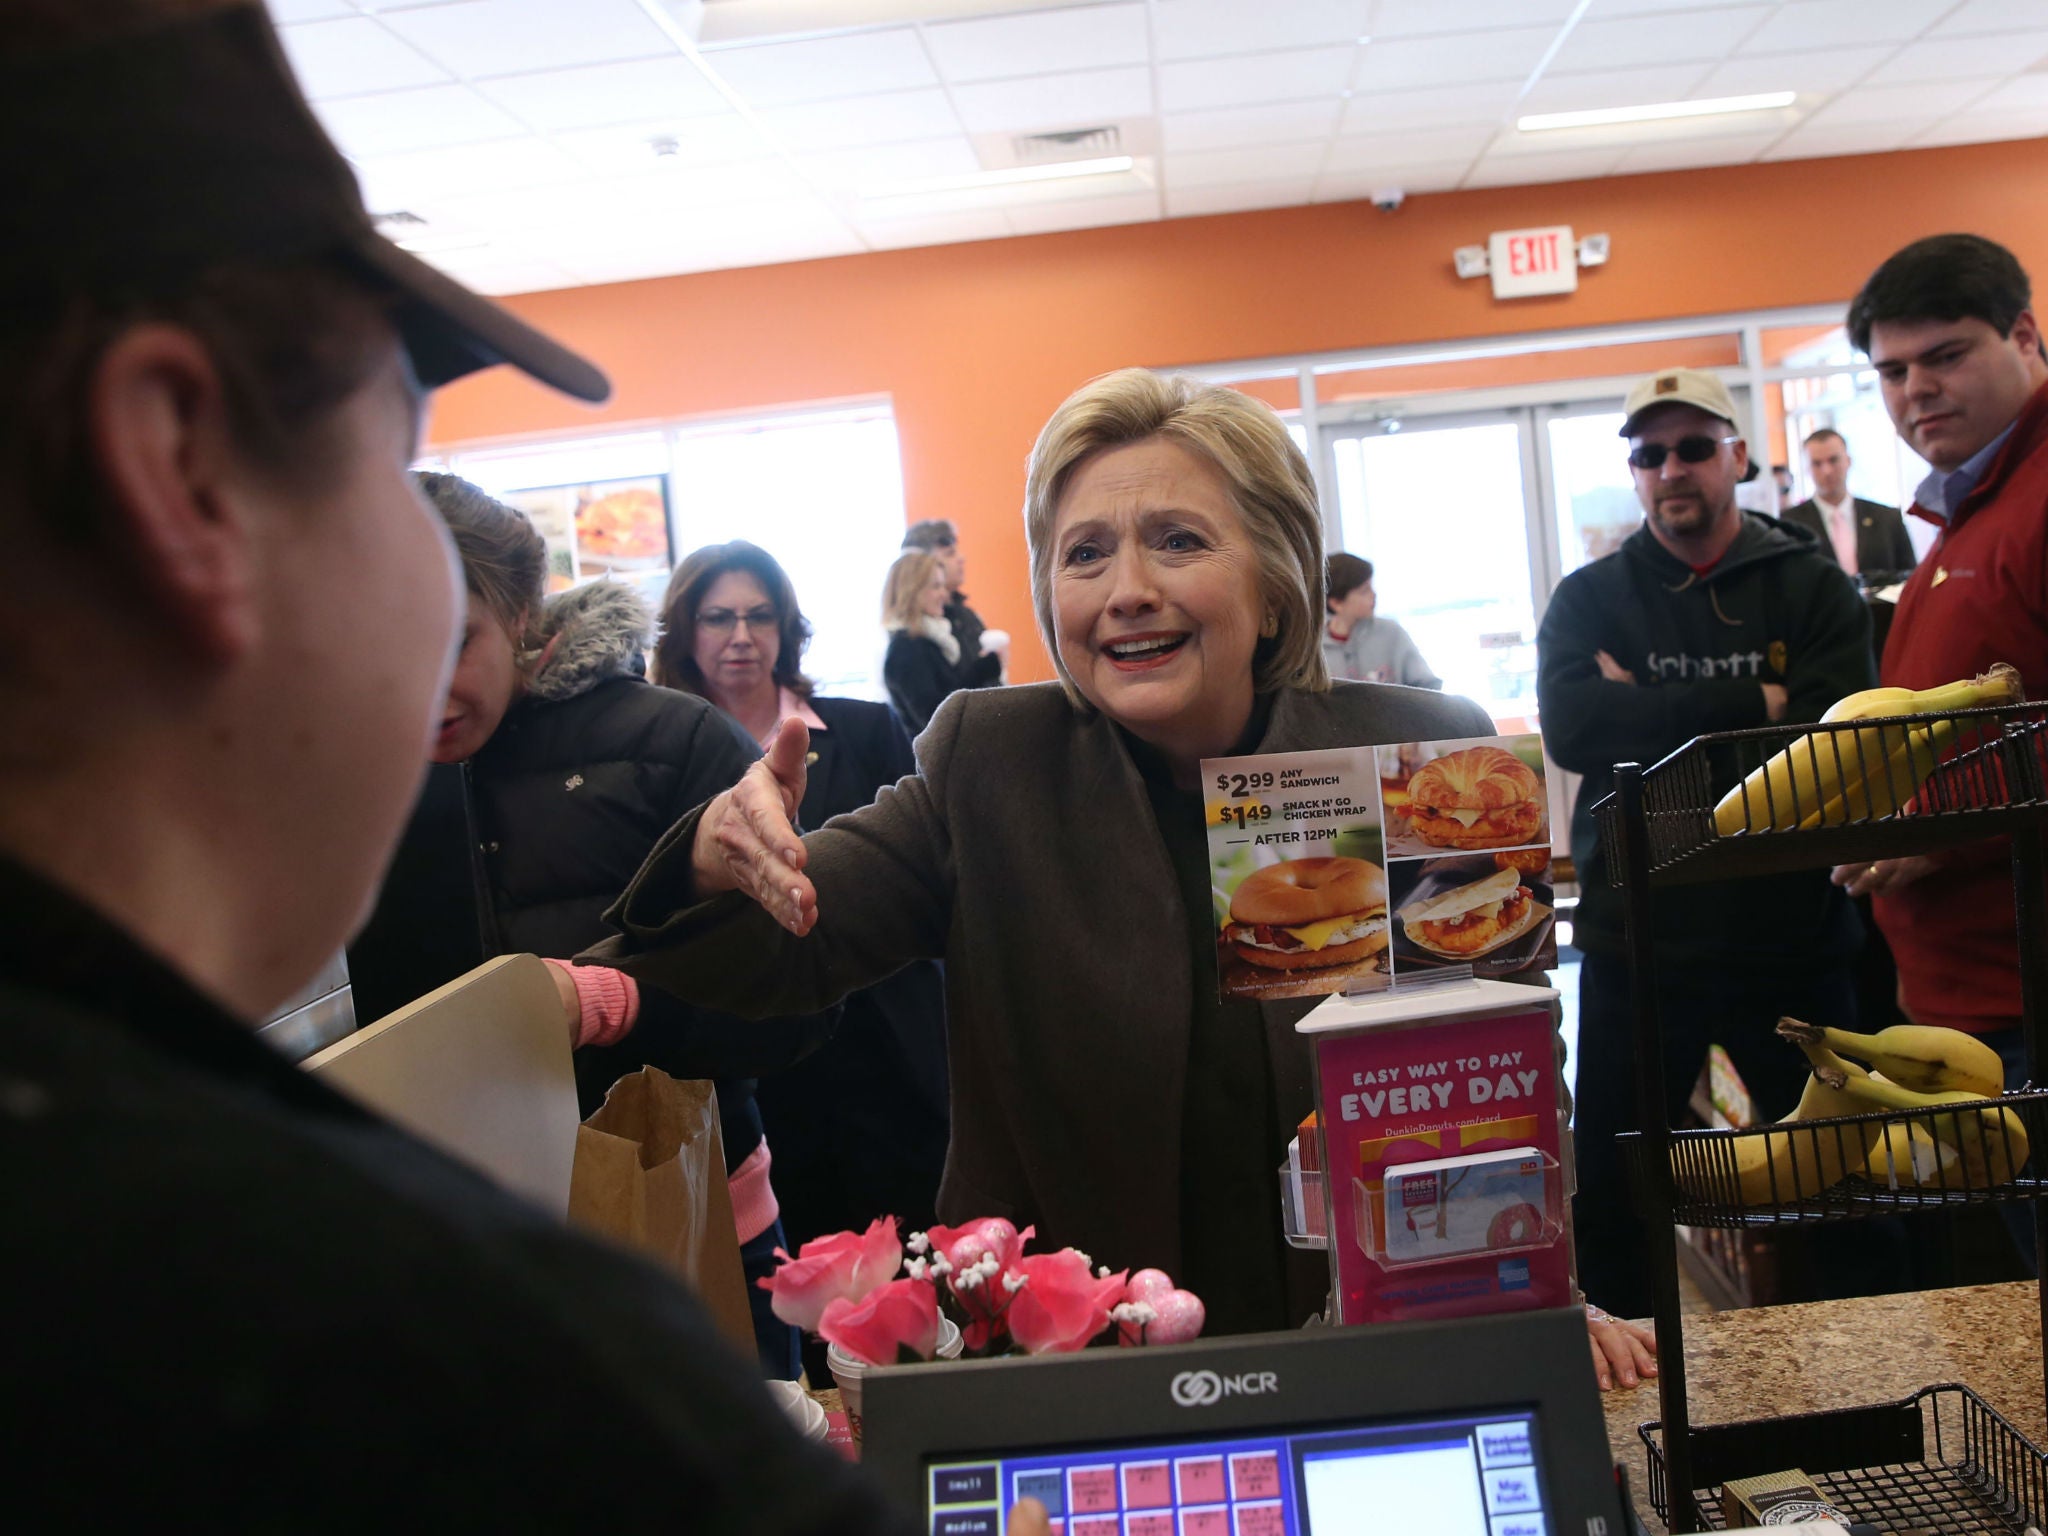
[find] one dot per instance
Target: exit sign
(1529, 261)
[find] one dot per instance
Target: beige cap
(1680, 386)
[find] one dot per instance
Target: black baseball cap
(184, 143)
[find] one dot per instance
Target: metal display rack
(1659, 829)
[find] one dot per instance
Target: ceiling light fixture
(1062, 170)
(1656, 111)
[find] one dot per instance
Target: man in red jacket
(1948, 324)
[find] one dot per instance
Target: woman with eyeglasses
(860, 1128)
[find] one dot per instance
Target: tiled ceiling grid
(553, 143)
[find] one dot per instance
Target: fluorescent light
(1061, 170)
(1656, 111)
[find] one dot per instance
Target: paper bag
(650, 1174)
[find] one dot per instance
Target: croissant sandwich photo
(1479, 797)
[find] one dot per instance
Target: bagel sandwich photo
(1475, 798)
(1473, 919)
(1316, 914)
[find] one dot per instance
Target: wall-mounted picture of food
(622, 526)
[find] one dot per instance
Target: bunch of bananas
(1828, 778)
(1908, 1067)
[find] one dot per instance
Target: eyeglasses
(1690, 450)
(722, 621)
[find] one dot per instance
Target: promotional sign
(1443, 1139)
(1339, 870)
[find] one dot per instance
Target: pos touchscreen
(1481, 1427)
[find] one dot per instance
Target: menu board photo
(605, 528)
(1340, 870)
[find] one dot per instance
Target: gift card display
(1336, 870)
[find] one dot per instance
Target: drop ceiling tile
(1357, 186)
(1227, 167)
(1606, 10)
(426, 117)
(1829, 23)
(1811, 74)
(1610, 88)
(1976, 16)
(481, 38)
(1964, 58)
(1819, 140)
(856, 170)
(1428, 61)
(1365, 152)
(1281, 123)
(1090, 213)
(1689, 154)
(1291, 75)
(2027, 93)
(285, 12)
(1283, 192)
(628, 148)
(824, 68)
(861, 121)
(1082, 98)
(521, 274)
(1199, 29)
(1039, 42)
(353, 58)
(1985, 128)
(397, 181)
(935, 229)
(1646, 42)
(597, 95)
(1881, 103)
(1387, 111)
(1526, 170)
(1407, 18)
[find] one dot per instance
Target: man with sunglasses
(1708, 618)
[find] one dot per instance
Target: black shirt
(236, 1299)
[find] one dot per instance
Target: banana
(1827, 777)
(1784, 1165)
(1906, 1156)
(1922, 1057)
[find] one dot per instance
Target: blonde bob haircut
(1270, 485)
(903, 588)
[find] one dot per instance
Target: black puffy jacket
(588, 769)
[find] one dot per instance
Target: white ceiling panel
(1049, 218)
(1686, 154)
(1984, 128)
(1365, 152)
(1192, 202)
(1054, 101)
(1964, 58)
(396, 181)
(1284, 122)
(480, 38)
(1409, 18)
(1846, 139)
(1521, 170)
(854, 124)
(858, 64)
(426, 117)
(2026, 93)
(1386, 111)
(597, 95)
(1605, 10)
(1975, 16)
(285, 12)
(628, 149)
(1812, 74)
(1610, 88)
(1408, 62)
(1352, 186)
(1830, 23)
(1241, 167)
(1294, 74)
(1039, 42)
(515, 274)
(935, 229)
(1200, 29)
(1639, 42)
(1883, 103)
(855, 170)
(353, 58)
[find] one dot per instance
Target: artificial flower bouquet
(847, 1289)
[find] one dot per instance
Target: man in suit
(1860, 536)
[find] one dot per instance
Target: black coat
(859, 1130)
(1882, 543)
(919, 678)
(976, 670)
(219, 1261)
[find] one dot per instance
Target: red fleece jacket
(1980, 596)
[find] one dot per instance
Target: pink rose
(963, 1246)
(902, 1315)
(1061, 1304)
(981, 1299)
(828, 1269)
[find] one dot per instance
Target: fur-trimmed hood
(594, 632)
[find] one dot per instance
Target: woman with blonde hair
(1052, 849)
(923, 662)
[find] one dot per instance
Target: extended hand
(1028, 1518)
(1622, 1351)
(1613, 670)
(1883, 877)
(747, 838)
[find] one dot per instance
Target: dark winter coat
(1772, 610)
(919, 678)
(976, 669)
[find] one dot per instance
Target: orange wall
(975, 344)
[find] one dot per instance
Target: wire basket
(1851, 1166)
(1941, 1460)
(1795, 797)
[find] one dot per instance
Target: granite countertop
(1764, 1362)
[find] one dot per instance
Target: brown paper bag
(650, 1174)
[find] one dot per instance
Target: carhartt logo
(574, 781)
(1198, 1389)
(1668, 385)
(1774, 654)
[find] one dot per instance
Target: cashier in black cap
(233, 1298)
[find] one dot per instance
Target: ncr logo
(1199, 1389)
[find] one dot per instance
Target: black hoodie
(1772, 610)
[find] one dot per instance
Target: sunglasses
(1690, 450)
